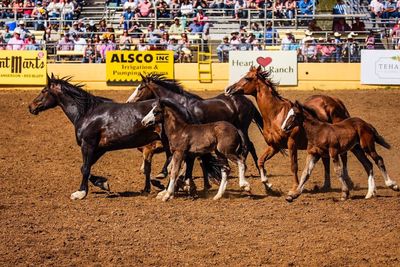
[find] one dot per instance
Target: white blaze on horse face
(133, 95)
(149, 118)
(290, 114)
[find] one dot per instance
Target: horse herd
(162, 117)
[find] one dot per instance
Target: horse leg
(224, 181)
(251, 149)
(310, 164)
(327, 175)
(340, 174)
(88, 154)
(164, 170)
(176, 162)
(190, 186)
(360, 155)
(293, 164)
(269, 152)
(241, 162)
(98, 181)
(346, 175)
(381, 165)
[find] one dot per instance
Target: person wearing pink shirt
(16, 43)
(145, 9)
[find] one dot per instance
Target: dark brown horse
(331, 140)
(100, 125)
(191, 140)
(274, 109)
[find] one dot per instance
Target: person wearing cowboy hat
(126, 18)
(176, 28)
(351, 48)
(338, 45)
(309, 50)
(325, 50)
(307, 33)
(21, 28)
(16, 42)
(288, 41)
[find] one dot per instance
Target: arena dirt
(40, 225)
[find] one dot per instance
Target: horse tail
(379, 138)
(242, 148)
(257, 118)
(212, 166)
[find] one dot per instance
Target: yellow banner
(23, 67)
(126, 66)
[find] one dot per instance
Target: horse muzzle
(34, 109)
(230, 91)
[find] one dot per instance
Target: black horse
(238, 109)
(100, 126)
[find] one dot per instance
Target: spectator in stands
(16, 42)
(288, 42)
(325, 50)
(234, 40)
(256, 29)
(22, 29)
(30, 42)
(176, 28)
(312, 26)
(239, 9)
(142, 46)
(75, 28)
(278, 8)
(7, 35)
(131, 4)
(54, 9)
(145, 9)
(390, 10)
(39, 15)
(108, 45)
(18, 8)
(341, 26)
(307, 33)
(164, 42)
(308, 50)
(201, 15)
(110, 30)
(3, 43)
(91, 29)
(78, 5)
(68, 12)
(135, 30)
(81, 26)
(126, 18)
(79, 42)
(28, 8)
(370, 40)
(185, 52)
(340, 8)
(175, 8)
(65, 44)
(89, 54)
(358, 25)
(187, 8)
(200, 4)
(306, 7)
(252, 40)
(4, 11)
(223, 50)
(338, 46)
(174, 46)
(152, 36)
(243, 45)
(102, 26)
(161, 29)
(218, 4)
(376, 10)
(395, 31)
(195, 26)
(351, 51)
(271, 34)
(162, 9)
(125, 41)
(290, 6)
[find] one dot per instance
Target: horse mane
(170, 85)
(309, 111)
(180, 110)
(84, 100)
(266, 77)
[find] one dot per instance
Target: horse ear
(259, 68)
(48, 79)
(143, 78)
(298, 105)
(52, 76)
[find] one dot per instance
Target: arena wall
(311, 76)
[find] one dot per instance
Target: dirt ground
(41, 226)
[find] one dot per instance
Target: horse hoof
(157, 184)
(246, 188)
(105, 186)
(267, 185)
(145, 192)
(370, 195)
(289, 199)
(78, 195)
(167, 197)
(325, 188)
(394, 187)
(161, 194)
(217, 197)
(160, 176)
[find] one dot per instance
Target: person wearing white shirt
(79, 43)
(376, 8)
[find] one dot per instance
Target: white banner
(380, 67)
(282, 65)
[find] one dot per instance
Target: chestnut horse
(190, 140)
(274, 109)
(331, 140)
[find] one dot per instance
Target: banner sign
(23, 67)
(380, 67)
(281, 64)
(126, 66)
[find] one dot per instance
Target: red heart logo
(264, 61)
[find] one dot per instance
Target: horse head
(142, 92)
(47, 98)
(294, 117)
(247, 84)
(154, 116)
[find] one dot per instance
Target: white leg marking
(78, 195)
(289, 114)
(371, 187)
(306, 172)
(133, 95)
(222, 185)
(161, 194)
(243, 183)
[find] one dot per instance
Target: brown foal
(191, 140)
(331, 140)
(274, 108)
